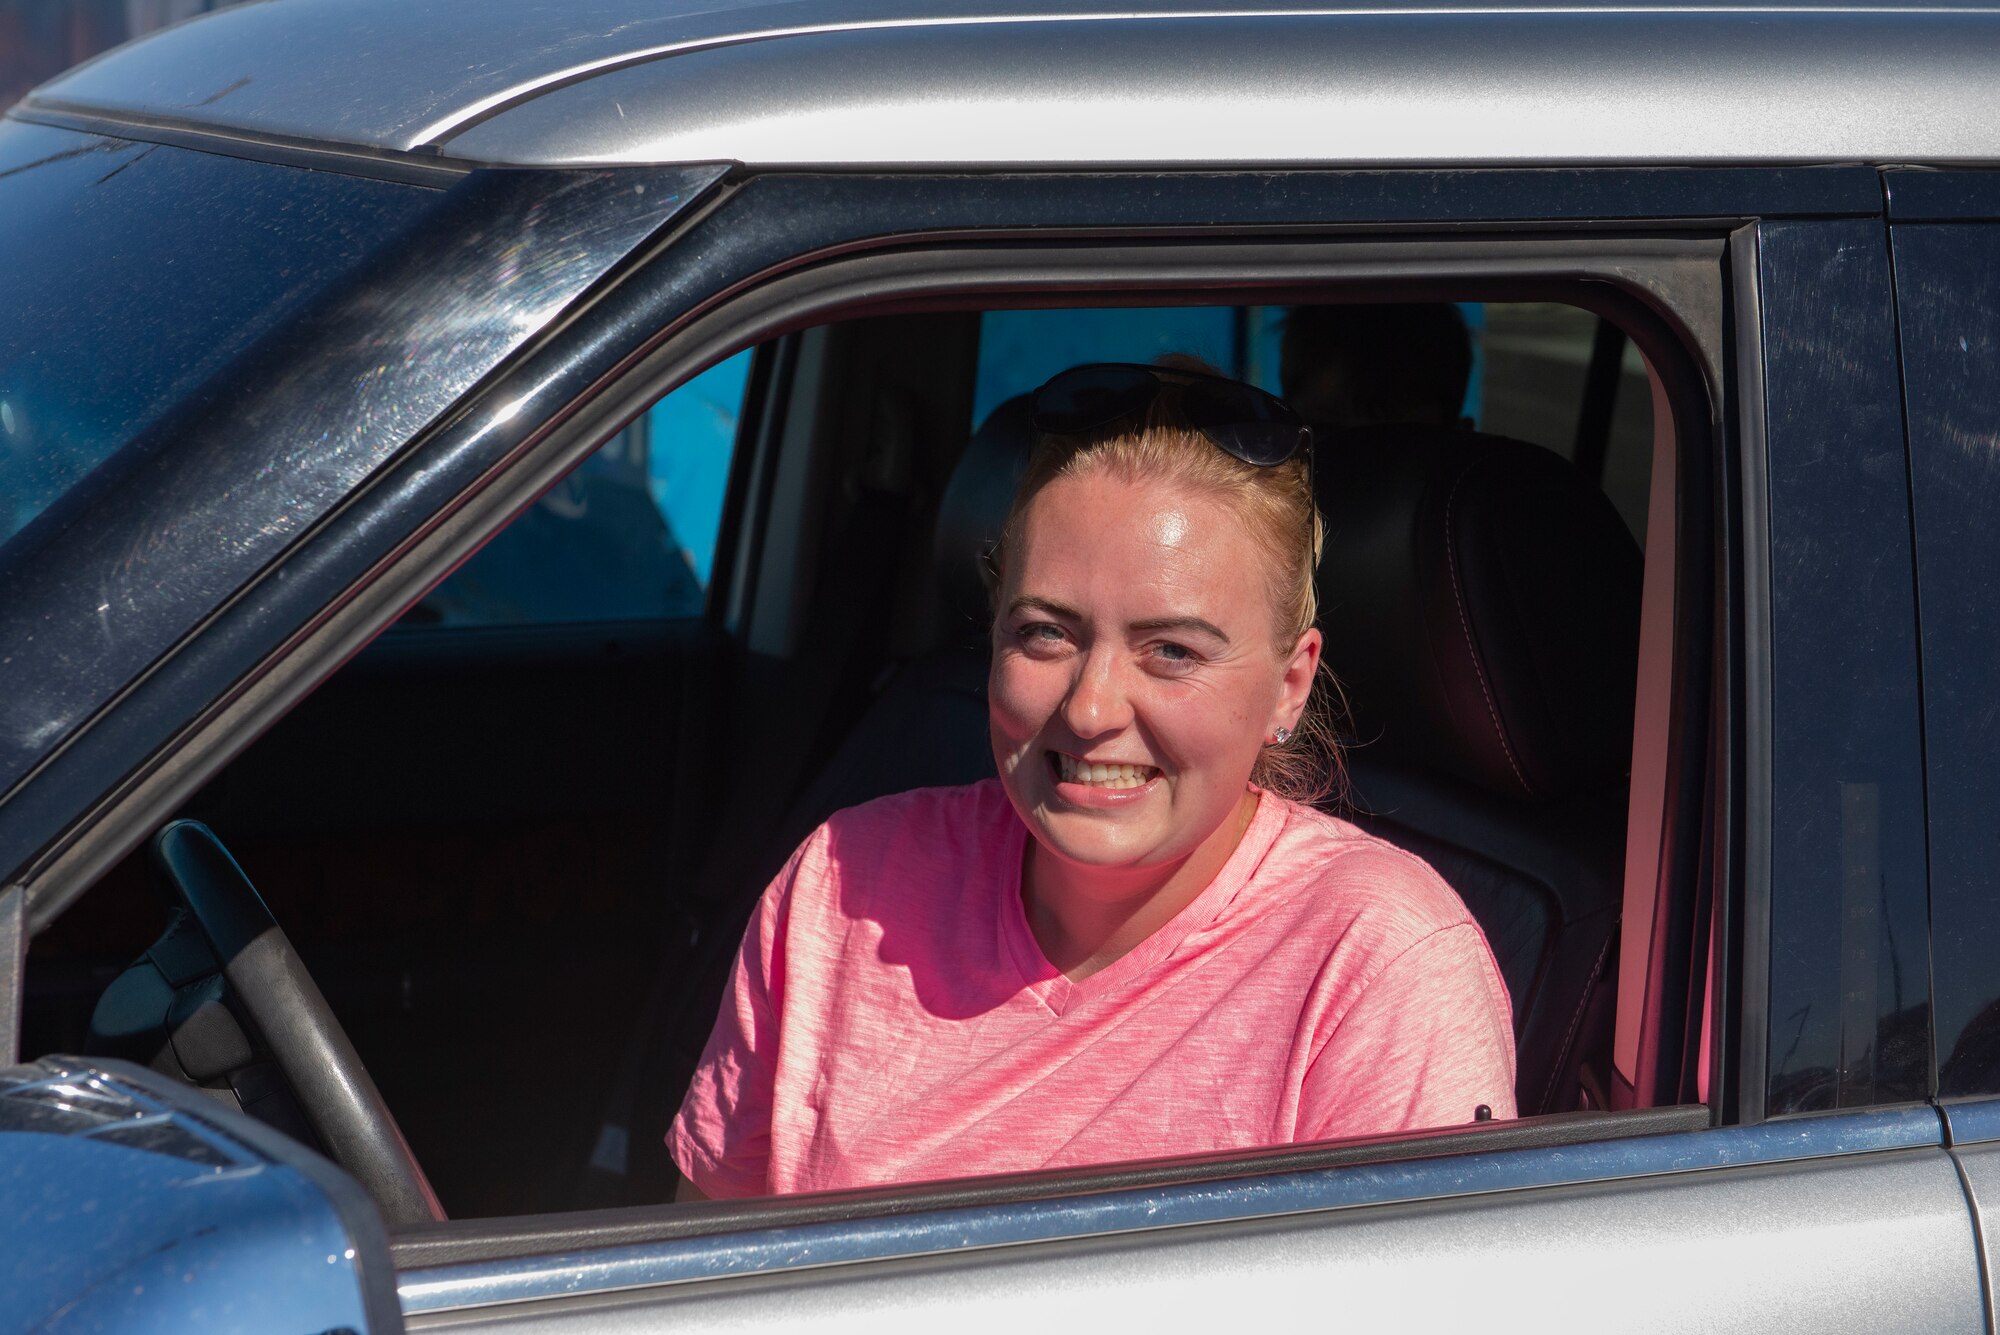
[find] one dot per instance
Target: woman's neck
(1085, 918)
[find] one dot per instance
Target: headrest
(1480, 602)
(974, 506)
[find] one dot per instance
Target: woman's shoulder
(925, 813)
(1334, 869)
(906, 838)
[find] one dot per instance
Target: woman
(1133, 943)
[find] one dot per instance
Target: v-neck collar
(1055, 989)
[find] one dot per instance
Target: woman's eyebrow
(1050, 607)
(1046, 606)
(1182, 623)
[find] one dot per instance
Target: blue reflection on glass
(692, 437)
(1018, 350)
(628, 535)
(594, 548)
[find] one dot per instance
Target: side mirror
(131, 1202)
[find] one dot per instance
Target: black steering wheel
(306, 1042)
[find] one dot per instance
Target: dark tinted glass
(1948, 285)
(132, 273)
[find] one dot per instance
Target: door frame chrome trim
(765, 1251)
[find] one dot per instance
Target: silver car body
(861, 83)
(1854, 1220)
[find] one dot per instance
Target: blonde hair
(1276, 507)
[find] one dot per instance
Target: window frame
(828, 293)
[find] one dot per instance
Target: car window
(628, 536)
(834, 425)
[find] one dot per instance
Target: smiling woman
(1132, 944)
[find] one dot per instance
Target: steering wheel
(305, 1040)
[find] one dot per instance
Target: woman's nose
(1097, 702)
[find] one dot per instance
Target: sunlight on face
(1135, 669)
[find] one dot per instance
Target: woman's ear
(1300, 670)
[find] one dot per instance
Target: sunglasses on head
(1239, 419)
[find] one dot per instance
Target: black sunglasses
(1239, 419)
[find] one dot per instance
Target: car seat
(927, 724)
(1480, 601)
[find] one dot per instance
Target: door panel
(1975, 1140)
(1877, 1241)
(1846, 1221)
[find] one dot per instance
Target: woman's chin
(1087, 834)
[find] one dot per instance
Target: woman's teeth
(1072, 770)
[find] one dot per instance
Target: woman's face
(1136, 671)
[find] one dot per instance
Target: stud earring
(1283, 735)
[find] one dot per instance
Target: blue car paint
(133, 1208)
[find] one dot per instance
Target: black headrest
(974, 506)
(1480, 602)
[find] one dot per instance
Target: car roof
(902, 83)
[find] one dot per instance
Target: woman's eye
(1174, 656)
(1041, 635)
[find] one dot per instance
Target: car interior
(516, 838)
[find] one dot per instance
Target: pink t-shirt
(892, 1019)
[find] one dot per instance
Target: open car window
(450, 792)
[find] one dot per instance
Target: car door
(1946, 231)
(1813, 1187)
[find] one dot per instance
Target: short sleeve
(1428, 1041)
(721, 1138)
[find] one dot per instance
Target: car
(493, 477)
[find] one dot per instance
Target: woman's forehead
(1151, 513)
(1127, 542)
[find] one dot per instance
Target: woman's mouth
(1068, 769)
